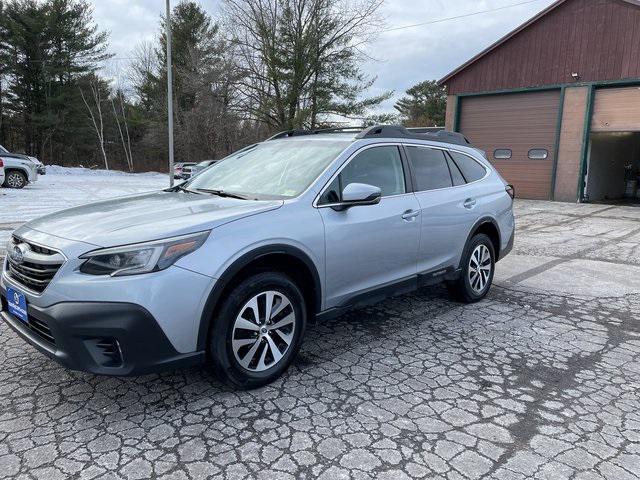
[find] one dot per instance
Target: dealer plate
(17, 304)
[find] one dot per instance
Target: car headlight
(141, 257)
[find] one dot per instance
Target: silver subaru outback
(228, 268)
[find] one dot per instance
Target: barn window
(502, 154)
(538, 154)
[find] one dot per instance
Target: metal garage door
(520, 123)
(616, 110)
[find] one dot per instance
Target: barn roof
(512, 34)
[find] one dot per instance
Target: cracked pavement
(541, 380)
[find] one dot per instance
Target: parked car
(40, 168)
(19, 171)
(229, 267)
(1, 171)
(190, 170)
(178, 168)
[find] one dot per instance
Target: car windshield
(3, 150)
(273, 169)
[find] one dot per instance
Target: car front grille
(36, 268)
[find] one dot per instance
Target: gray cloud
(402, 57)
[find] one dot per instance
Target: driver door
(374, 245)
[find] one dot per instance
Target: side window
(429, 167)
(456, 175)
(471, 169)
(377, 166)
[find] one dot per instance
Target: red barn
(556, 102)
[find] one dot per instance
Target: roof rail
(434, 134)
(301, 132)
(290, 133)
(398, 131)
(425, 129)
(338, 129)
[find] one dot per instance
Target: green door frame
(586, 136)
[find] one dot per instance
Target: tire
(245, 354)
(15, 179)
(474, 283)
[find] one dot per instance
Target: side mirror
(356, 194)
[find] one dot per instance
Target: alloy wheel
(263, 331)
(479, 269)
(14, 180)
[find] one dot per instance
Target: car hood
(150, 216)
(14, 155)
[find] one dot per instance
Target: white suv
(19, 170)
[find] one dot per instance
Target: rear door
(446, 208)
(375, 245)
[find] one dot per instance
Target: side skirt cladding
(400, 287)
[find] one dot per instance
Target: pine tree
(424, 106)
(205, 117)
(45, 47)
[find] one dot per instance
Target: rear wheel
(478, 265)
(258, 330)
(15, 179)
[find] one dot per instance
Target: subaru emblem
(17, 253)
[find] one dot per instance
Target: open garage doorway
(613, 170)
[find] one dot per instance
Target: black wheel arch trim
(214, 297)
(482, 221)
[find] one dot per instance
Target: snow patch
(60, 170)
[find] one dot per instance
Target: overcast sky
(403, 57)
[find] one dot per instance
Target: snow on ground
(64, 187)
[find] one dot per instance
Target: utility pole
(169, 91)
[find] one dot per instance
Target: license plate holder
(17, 303)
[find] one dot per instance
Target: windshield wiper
(181, 187)
(222, 193)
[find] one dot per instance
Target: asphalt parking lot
(541, 380)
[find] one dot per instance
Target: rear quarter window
(470, 168)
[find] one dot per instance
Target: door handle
(469, 203)
(410, 214)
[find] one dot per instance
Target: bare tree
(126, 143)
(143, 67)
(301, 58)
(97, 119)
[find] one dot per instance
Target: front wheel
(478, 265)
(258, 330)
(15, 179)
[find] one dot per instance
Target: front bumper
(107, 338)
